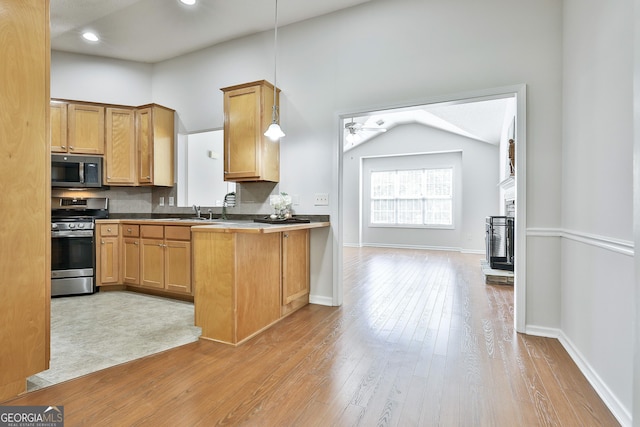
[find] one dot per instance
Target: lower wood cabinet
(295, 270)
(108, 254)
(165, 257)
(245, 282)
(130, 264)
(145, 256)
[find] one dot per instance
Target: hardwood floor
(419, 341)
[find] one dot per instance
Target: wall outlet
(295, 200)
(321, 199)
(171, 201)
(161, 203)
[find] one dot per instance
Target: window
(412, 197)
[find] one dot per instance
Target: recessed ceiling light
(188, 2)
(92, 37)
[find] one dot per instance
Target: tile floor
(93, 332)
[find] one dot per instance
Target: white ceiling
(155, 30)
(151, 31)
(482, 120)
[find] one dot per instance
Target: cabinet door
(177, 271)
(120, 147)
(144, 140)
(131, 261)
(58, 127)
(109, 261)
(248, 154)
(241, 134)
(86, 129)
(152, 263)
(163, 146)
(295, 265)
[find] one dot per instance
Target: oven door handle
(59, 234)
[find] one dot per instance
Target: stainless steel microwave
(71, 171)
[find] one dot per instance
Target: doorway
(348, 125)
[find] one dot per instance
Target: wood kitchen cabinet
(120, 146)
(58, 112)
(246, 280)
(248, 154)
(295, 270)
(155, 142)
(130, 264)
(108, 254)
(237, 284)
(85, 125)
(165, 258)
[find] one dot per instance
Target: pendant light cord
(274, 115)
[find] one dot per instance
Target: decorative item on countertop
(281, 204)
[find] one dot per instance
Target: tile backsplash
(251, 198)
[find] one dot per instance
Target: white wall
(477, 193)
(95, 79)
(597, 305)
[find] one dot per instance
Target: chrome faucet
(210, 214)
(196, 209)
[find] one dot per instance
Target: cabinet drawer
(130, 230)
(108, 229)
(152, 231)
(177, 233)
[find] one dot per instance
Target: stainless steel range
(73, 259)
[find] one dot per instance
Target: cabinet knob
(63, 147)
(102, 242)
(109, 230)
(128, 230)
(285, 235)
(135, 243)
(71, 147)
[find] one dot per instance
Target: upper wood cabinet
(85, 129)
(120, 146)
(58, 112)
(155, 141)
(248, 154)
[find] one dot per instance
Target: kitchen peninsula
(248, 276)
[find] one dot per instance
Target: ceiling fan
(354, 129)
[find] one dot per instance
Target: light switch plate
(161, 203)
(171, 201)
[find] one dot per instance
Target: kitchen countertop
(224, 226)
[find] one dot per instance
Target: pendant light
(274, 132)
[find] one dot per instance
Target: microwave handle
(81, 172)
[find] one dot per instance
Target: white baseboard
(615, 406)
(321, 300)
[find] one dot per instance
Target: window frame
(423, 200)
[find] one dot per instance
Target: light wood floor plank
(420, 340)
